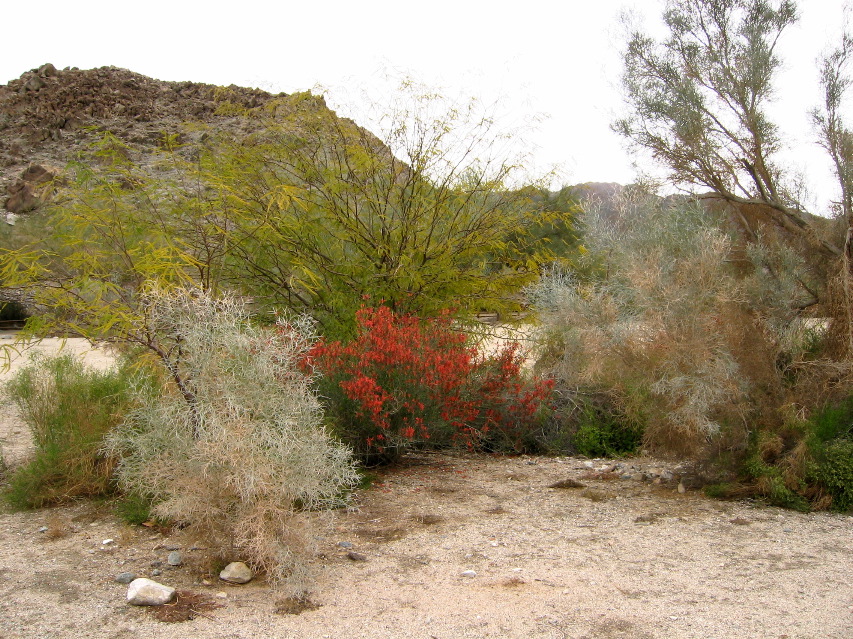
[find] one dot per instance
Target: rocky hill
(49, 115)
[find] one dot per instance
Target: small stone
(345, 544)
(469, 573)
(236, 573)
(125, 577)
(107, 542)
(222, 595)
(144, 592)
(172, 547)
(43, 529)
(174, 558)
(356, 556)
(788, 530)
(206, 582)
(156, 572)
(681, 488)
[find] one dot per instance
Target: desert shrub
(680, 326)
(69, 408)
(238, 456)
(830, 447)
(403, 382)
(833, 469)
(601, 431)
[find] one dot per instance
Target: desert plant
(69, 408)
(403, 382)
(238, 456)
(600, 431)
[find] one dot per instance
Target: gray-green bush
(677, 332)
(238, 456)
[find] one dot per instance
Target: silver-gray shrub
(242, 458)
(674, 319)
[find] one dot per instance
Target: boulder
(31, 190)
(236, 573)
(47, 70)
(145, 592)
(33, 83)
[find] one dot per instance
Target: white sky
(557, 59)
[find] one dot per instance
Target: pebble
(107, 542)
(236, 573)
(469, 573)
(156, 572)
(144, 592)
(125, 577)
(222, 595)
(681, 488)
(356, 556)
(175, 558)
(43, 529)
(345, 544)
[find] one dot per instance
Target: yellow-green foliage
(69, 409)
(323, 213)
(308, 212)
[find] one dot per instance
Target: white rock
(144, 592)
(236, 573)
(469, 573)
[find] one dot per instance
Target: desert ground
(447, 546)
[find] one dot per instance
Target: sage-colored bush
(238, 457)
(699, 336)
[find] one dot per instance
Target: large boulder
(31, 190)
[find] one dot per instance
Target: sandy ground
(615, 558)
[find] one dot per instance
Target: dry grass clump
(238, 457)
(186, 606)
(294, 606)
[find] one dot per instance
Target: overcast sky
(556, 62)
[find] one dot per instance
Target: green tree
(307, 211)
(323, 214)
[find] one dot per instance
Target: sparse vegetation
(69, 409)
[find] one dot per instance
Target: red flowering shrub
(403, 382)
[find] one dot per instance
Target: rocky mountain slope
(48, 115)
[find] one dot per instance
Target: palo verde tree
(306, 211)
(114, 234)
(323, 214)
